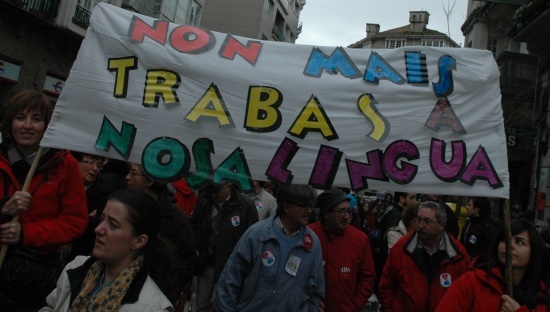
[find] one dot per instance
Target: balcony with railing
(81, 17)
(45, 9)
(278, 34)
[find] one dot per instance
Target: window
(367, 45)
(392, 44)
(195, 14)
(270, 6)
(434, 43)
(169, 9)
(492, 45)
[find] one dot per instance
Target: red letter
(232, 47)
(139, 29)
(192, 40)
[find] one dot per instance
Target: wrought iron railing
(46, 9)
(81, 16)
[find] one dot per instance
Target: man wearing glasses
(277, 265)
(422, 265)
(349, 268)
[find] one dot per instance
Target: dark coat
(96, 197)
(176, 227)
(237, 216)
(478, 235)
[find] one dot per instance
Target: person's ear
(140, 242)
(285, 207)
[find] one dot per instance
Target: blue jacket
(249, 281)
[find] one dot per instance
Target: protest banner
(189, 102)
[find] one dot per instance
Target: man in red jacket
(422, 265)
(349, 269)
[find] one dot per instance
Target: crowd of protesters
(88, 233)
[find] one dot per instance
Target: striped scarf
(108, 298)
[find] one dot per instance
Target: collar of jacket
(77, 275)
(331, 233)
(233, 203)
(480, 220)
(450, 248)
(268, 231)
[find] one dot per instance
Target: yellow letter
(121, 66)
(161, 83)
(313, 118)
(380, 125)
(262, 113)
(211, 104)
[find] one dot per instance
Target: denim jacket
(250, 281)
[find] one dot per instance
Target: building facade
(415, 33)
(274, 20)
(517, 35)
(39, 39)
(531, 25)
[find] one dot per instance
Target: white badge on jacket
(292, 265)
(445, 279)
(236, 220)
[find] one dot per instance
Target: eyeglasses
(98, 164)
(303, 206)
(343, 211)
(425, 220)
(133, 173)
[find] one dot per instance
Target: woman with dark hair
(130, 268)
(52, 212)
(483, 289)
(479, 230)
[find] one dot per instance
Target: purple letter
(277, 171)
(359, 172)
(393, 153)
(480, 167)
(325, 167)
(447, 171)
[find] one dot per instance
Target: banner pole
(508, 241)
(26, 185)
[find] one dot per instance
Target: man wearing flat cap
(221, 216)
(349, 269)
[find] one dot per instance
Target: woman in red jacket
(52, 212)
(483, 289)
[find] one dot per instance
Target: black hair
(294, 193)
(160, 257)
(398, 195)
(527, 291)
(483, 204)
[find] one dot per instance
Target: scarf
(108, 298)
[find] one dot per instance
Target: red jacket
(477, 292)
(349, 269)
(404, 285)
(57, 213)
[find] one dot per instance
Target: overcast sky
(343, 22)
